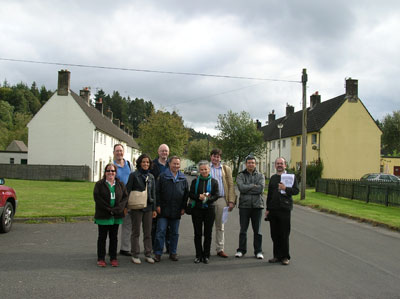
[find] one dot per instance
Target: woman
(172, 193)
(111, 198)
(137, 182)
(203, 192)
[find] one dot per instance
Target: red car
(8, 206)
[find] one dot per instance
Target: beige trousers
(219, 227)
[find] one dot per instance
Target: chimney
(116, 122)
(109, 114)
(351, 90)
(315, 99)
(99, 105)
(127, 131)
(64, 77)
(122, 126)
(85, 94)
(258, 123)
(289, 110)
(271, 117)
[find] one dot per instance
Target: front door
(396, 170)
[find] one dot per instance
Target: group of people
(169, 196)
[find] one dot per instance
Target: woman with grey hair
(203, 192)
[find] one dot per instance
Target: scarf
(208, 188)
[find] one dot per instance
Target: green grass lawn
(53, 198)
(374, 213)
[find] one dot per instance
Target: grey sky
(263, 39)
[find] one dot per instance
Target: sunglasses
(110, 170)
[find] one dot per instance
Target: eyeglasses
(110, 170)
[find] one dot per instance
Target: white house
(68, 130)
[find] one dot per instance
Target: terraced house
(340, 132)
(68, 130)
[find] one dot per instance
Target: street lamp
(280, 126)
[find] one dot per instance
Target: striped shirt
(216, 173)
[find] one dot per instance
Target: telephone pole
(304, 137)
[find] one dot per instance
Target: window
(105, 139)
(97, 137)
(24, 161)
(283, 143)
(298, 141)
(314, 139)
(11, 160)
(273, 144)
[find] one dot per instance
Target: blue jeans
(162, 224)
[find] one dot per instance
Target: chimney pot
(64, 77)
(351, 90)
(99, 105)
(117, 122)
(85, 94)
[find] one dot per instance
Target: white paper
(287, 180)
(225, 215)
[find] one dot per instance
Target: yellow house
(340, 132)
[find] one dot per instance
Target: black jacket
(171, 195)
(102, 197)
(136, 182)
(275, 199)
(155, 170)
(214, 194)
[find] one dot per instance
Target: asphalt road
(332, 257)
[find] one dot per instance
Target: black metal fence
(386, 193)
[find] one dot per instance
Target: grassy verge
(373, 213)
(53, 198)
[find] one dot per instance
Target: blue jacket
(171, 194)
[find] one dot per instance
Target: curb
(60, 219)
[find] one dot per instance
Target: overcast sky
(264, 39)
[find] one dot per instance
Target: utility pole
(304, 137)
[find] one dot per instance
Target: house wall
(388, 165)
(5, 157)
(296, 150)
(350, 143)
(273, 152)
(60, 134)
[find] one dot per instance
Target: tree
(162, 127)
(391, 133)
(138, 111)
(238, 137)
(199, 150)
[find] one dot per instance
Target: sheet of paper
(225, 215)
(287, 180)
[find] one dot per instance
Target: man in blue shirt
(124, 168)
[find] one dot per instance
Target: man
(227, 197)
(172, 193)
(124, 168)
(160, 165)
(279, 206)
(251, 185)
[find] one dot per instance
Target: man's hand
(182, 211)
(154, 214)
(266, 213)
(282, 186)
(231, 205)
(158, 209)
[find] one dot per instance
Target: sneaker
(157, 258)
(149, 260)
(259, 256)
(114, 263)
(238, 254)
(124, 252)
(101, 263)
(285, 261)
(136, 260)
(173, 257)
(274, 260)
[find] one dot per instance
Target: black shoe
(124, 252)
(206, 260)
(197, 260)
